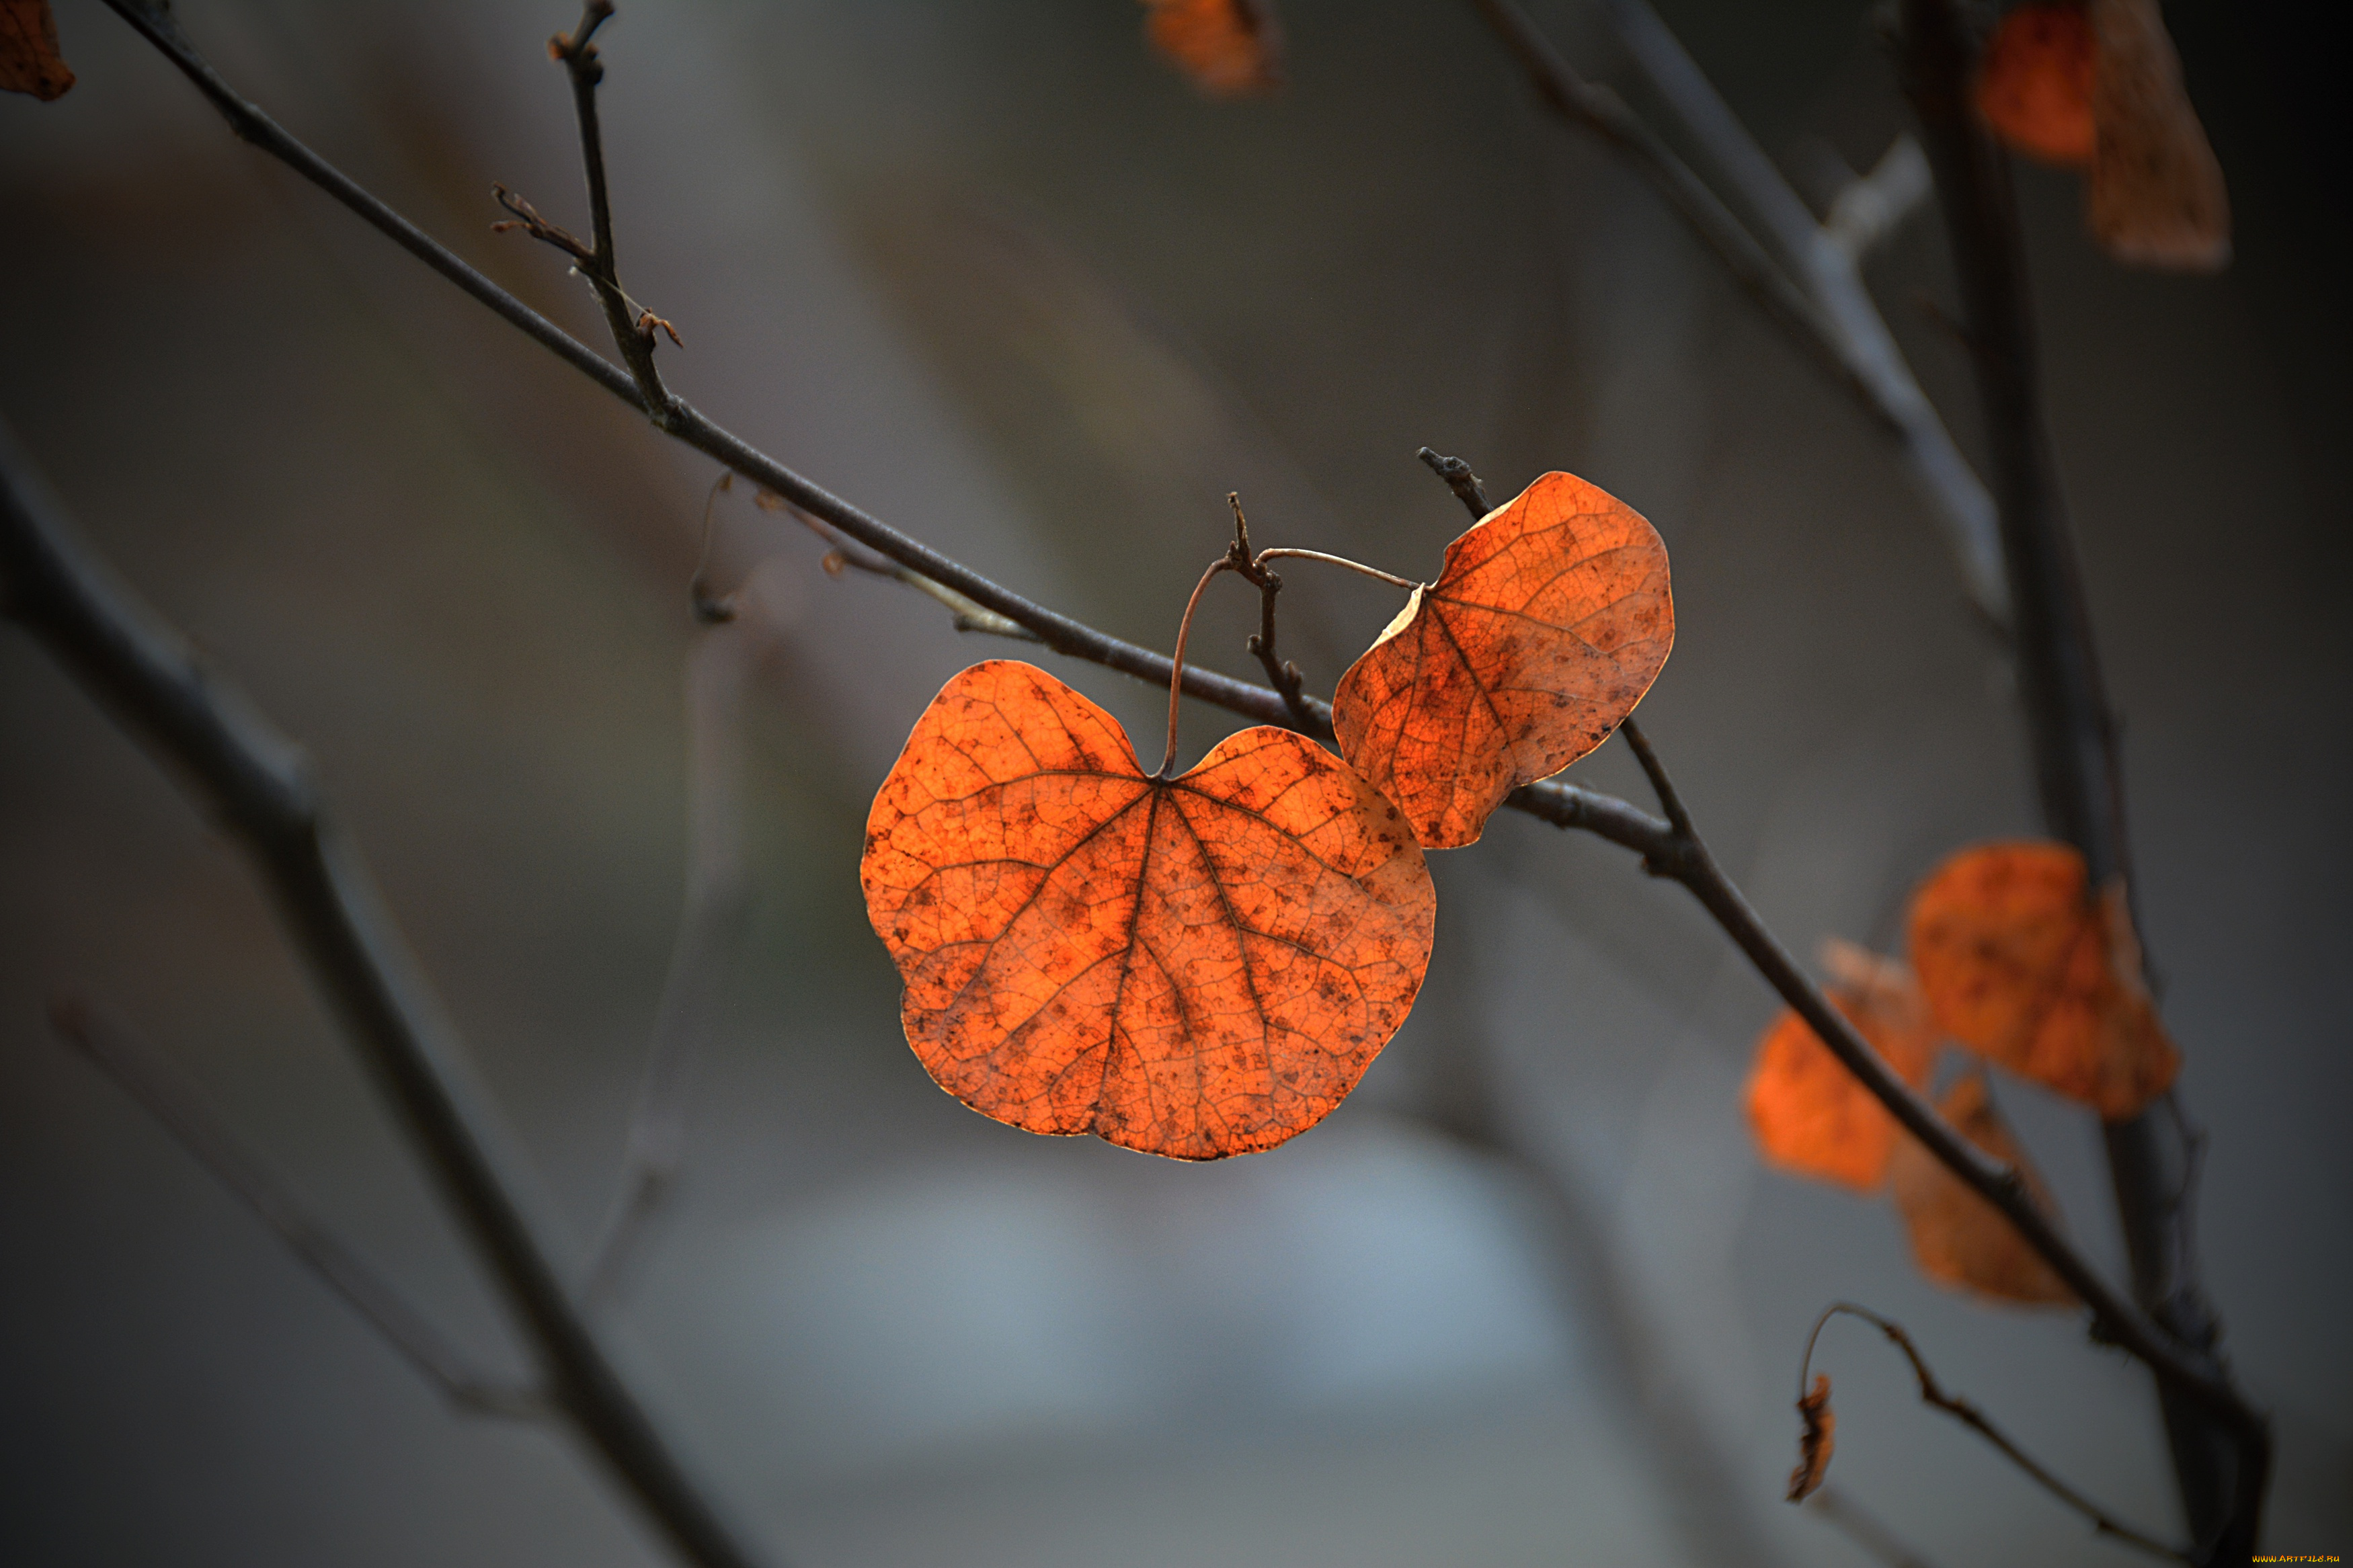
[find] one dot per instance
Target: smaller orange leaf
(2021, 967)
(1815, 1443)
(1231, 48)
(2034, 82)
(1958, 1237)
(2157, 197)
(1550, 621)
(1809, 1114)
(29, 61)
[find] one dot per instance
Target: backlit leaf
(1809, 1114)
(2019, 964)
(1231, 48)
(1958, 1237)
(1194, 967)
(2157, 196)
(29, 61)
(1550, 621)
(2034, 82)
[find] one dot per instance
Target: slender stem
(2221, 1465)
(1391, 578)
(1932, 1393)
(255, 782)
(1655, 771)
(176, 1105)
(1564, 805)
(1177, 665)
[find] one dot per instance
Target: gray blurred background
(997, 275)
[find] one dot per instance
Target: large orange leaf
(1549, 623)
(1958, 1237)
(2019, 964)
(1809, 1114)
(1231, 48)
(1195, 967)
(2157, 197)
(2034, 82)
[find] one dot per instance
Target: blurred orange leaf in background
(1811, 1115)
(2020, 966)
(1550, 621)
(2034, 82)
(1958, 1237)
(1195, 967)
(1231, 48)
(2157, 197)
(29, 61)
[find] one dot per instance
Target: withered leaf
(2156, 197)
(1229, 48)
(1195, 967)
(1958, 1237)
(29, 61)
(1550, 621)
(1816, 1441)
(2034, 82)
(1811, 1116)
(2018, 965)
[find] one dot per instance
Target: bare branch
(167, 1096)
(1280, 673)
(1836, 324)
(1460, 479)
(256, 784)
(1933, 1392)
(1850, 1519)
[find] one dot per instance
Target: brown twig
(142, 1074)
(2220, 1459)
(256, 784)
(1933, 1392)
(1280, 673)
(1564, 805)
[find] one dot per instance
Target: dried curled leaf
(2034, 82)
(29, 61)
(1229, 48)
(1809, 1114)
(2157, 197)
(1550, 621)
(1195, 967)
(1958, 1237)
(2020, 967)
(1816, 1442)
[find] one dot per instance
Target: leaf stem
(1177, 664)
(1391, 578)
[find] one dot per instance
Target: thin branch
(1664, 851)
(1461, 481)
(1603, 112)
(1933, 1392)
(964, 614)
(167, 1096)
(2222, 1466)
(1280, 673)
(1359, 567)
(257, 785)
(710, 930)
(1836, 324)
(1655, 771)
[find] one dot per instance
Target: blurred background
(999, 275)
